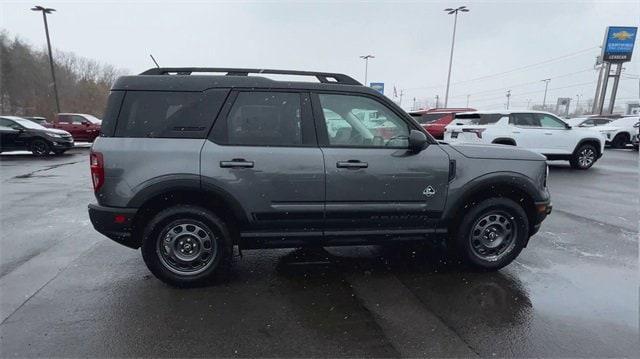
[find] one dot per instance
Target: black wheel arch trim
(590, 139)
(184, 182)
(503, 178)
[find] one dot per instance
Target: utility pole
(413, 108)
(46, 11)
(528, 102)
(544, 99)
(453, 42)
(508, 97)
(468, 100)
(401, 94)
(437, 101)
(366, 66)
(578, 102)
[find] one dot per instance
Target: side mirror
(568, 126)
(417, 140)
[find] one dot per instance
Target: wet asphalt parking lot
(67, 291)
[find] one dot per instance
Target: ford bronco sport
(188, 166)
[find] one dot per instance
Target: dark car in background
(436, 119)
(82, 126)
(19, 134)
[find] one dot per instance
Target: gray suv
(190, 165)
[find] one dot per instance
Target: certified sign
(378, 86)
(618, 43)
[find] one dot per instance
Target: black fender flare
(589, 139)
(184, 182)
(502, 178)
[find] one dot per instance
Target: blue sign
(618, 44)
(378, 86)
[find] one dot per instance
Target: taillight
(477, 131)
(96, 163)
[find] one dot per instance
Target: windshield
(29, 124)
(93, 119)
(428, 118)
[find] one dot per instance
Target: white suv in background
(540, 132)
(618, 133)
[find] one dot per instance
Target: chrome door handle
(516, 132)
(352, 164)
(548, 133)
(237, 163)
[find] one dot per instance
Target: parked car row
(42, 137)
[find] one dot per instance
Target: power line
(521, 84)
(538, 91)
(537, 64)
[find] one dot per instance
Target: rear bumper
(115, 223)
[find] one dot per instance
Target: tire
(491, 234)
(199, 246)
(584, 157)
(620, 141)
(40, 147)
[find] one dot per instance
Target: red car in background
(83, 127)
(436, 119)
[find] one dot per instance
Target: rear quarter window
(165, 114)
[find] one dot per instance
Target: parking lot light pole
(366, 66)
(46, 11)
(453, 41)
(508, 97)
(544, 99)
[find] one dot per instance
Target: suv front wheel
(492, 233)
(186, 245)
(584, 157)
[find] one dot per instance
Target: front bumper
(62, 144)
(115, 223)
(543, 209)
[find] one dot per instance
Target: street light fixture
(451, 11)
(46, 11)
(366, 66)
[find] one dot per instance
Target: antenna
(154, 61)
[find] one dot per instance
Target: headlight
(54, 135)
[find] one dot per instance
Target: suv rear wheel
(584, 157)
(492, 234)
(186, 246)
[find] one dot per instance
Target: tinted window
(601, 121)
(478, 118)
(525, 120)
(587, 123)
(262, 119)
(549, 121)
(111, 114)
(362, 122)
(7, 123)
(168, 114)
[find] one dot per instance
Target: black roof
(184, 79)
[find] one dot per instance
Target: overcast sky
(411, 41)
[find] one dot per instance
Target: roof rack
(324, 77)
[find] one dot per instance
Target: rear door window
(525, 120)
(478, 119)
(164, 114)
(266, 119)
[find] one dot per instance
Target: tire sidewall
(158, 225)
(575, 163)
(505, 205)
